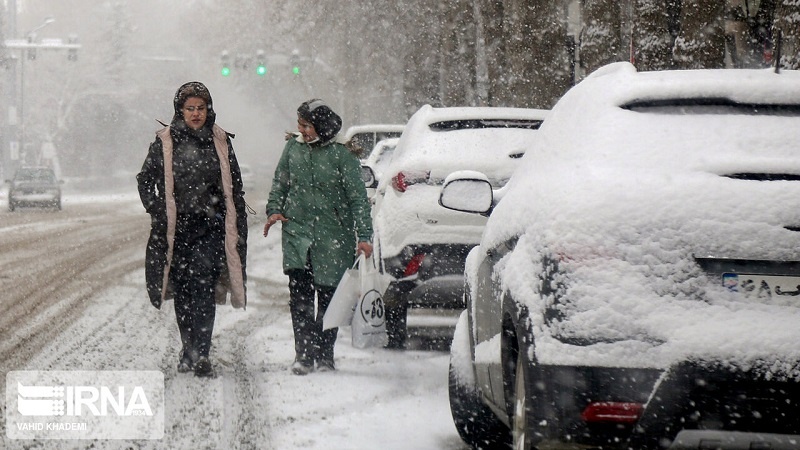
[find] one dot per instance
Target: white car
(638, 284)
(381, 155)
(377, 161)
(423, 246)
(362, 138)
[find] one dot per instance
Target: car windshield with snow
(423, 246)
(637, 283)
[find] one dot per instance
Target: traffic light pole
(15, 120)
(10, 129)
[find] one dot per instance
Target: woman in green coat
(318, 195)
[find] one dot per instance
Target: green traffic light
(261, 69)
(226, 71)
(296, 70)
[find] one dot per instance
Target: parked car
(637, 283)
(34, 186)
(378, 159)
(362, 138)
(381, 155)
(423, 246)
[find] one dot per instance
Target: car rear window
(696, 106)
(473, 124)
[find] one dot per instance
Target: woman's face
(307, 130)
(195, 112)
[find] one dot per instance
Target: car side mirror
(369, 178)
(467, 191)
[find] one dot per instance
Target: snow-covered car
(362, 138)
(381, 155)
(638, 284)
(423, 246)
(34, 186)
(377, 160)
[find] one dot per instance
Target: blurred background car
(378, 159)
(362, 138)
(34, 186)
(248, 178)
(636, 285)
(423, 246)
(381, 154)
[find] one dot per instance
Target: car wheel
(396, 318)
(476, 423)
(519, 420)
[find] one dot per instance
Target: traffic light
(261, 65)
(72, 52)
(294, 61)
(31, 50)
(225, 58)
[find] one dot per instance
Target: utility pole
(14, 136)
(10, 144)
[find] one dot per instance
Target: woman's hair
(192, 89)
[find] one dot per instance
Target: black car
(34, 186)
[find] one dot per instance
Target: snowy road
(72, 295)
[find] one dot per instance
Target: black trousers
(196, 264)
(310, 342)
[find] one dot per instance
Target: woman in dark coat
(198, 239)
(319, 196)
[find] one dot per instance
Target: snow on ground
(377, 398)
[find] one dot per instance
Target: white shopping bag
(369, 318)
(343, 304)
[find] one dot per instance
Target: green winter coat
(320, 191)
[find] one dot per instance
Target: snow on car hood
(626, 197)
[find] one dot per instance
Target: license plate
(762, 286)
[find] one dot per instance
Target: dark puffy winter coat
(320, 191)
(156, 187)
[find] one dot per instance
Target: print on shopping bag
(372, 309)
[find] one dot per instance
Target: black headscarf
(326, 122)
(179, 127)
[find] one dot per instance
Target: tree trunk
(495, 47)
(787, 22)
(701, 41)
(652, 41)
(539, 69)
(457, 76)
(600, 35)
(421, 74)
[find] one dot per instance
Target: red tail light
(413, 266)
(612, 412)
(403, 180)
